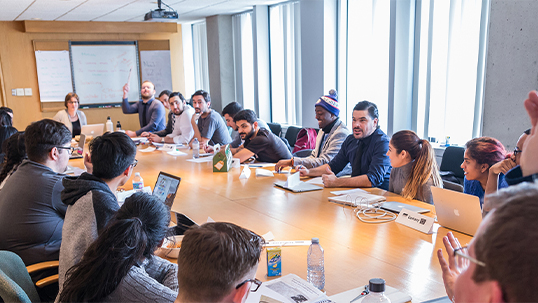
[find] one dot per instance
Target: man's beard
(249, 135)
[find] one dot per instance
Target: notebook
(294, 184)
(457, 211)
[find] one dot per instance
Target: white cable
(372, 213)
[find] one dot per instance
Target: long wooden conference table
(354, 251)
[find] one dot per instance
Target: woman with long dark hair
(14, 150)
(414, 169)
(120, 266)
(480, 154)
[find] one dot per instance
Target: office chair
(291, 134)
(452, 186)
(303, 153)
(450, 169)
(275, 128)
(15, 282)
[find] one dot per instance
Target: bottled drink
(316, 269)
(138, 182)
(118, 126)
(109, 125)
(377, 292)
(195, 148)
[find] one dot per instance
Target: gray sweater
(155, 280)
(331, 147)
(398, 179)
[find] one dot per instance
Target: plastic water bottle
(118, 126)
(196, 148)
(377, 292)
(316, 268)
(138, 182)
(109, 125)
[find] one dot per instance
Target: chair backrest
(452, 159)
(15, 282)
(275, 128)
(306, 139)
(452, 186)
(291, 134)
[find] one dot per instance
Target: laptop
(294, 184)
(79, 151)
(93, 130)
(166, 188)
(457, 211)
(396, 207)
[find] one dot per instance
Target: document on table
(287, 290)
(176, 153)
(201, 160)
(317, 180)
(148, 149)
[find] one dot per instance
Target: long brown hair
(424, 165)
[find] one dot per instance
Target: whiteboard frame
(130, 42)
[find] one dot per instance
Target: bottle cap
(108, 118)
(315, 241)
(377, 285)
(137, 174)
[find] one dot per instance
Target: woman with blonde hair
(414, 169)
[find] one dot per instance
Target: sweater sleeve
(328, 152)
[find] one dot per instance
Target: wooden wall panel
(99, 27)
(18, 66)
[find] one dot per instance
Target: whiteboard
(155, 66)
(101, 70)
(53, 75)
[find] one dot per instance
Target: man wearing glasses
(499, 264)
(217, 263)
(90, 198)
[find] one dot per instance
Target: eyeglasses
(134, 163)
(70, 150)
(463, 260)
(517, 150)
(253, 287)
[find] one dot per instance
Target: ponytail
(132, 235)
(424, 166)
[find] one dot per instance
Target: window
(243, 59)
(284, 37)
(199, 45)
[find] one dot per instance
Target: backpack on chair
(306, 139)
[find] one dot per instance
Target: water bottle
(118, 126)
(109, 125)
(196, 148)
(316, 269)
(377, 292)
(138, 183)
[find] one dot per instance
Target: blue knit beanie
(330, 102)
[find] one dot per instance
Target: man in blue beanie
(330, 137)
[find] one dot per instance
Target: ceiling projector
(162, 15)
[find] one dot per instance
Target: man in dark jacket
(90, 197)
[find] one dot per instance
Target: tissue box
(222, 160)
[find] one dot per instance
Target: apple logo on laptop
(456, 212)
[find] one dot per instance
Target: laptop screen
(166, 187)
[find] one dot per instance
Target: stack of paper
(357, 198)
(288, 289)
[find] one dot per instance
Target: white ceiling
(118, 10)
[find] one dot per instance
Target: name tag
(416, 221)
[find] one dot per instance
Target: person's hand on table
(304, 172)
(155, 138)
(529, 165)
(329, 179)
(208, 149)
(145, 134)
(450, 271)
(88, 163)
(130, 133)
(281, 164)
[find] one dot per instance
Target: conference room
(449, 71)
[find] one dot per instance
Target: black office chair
(291, 134)
(275, 128)
(452, 186)
(450, 169)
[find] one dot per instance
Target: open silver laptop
(92, 129)
(457, 211)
